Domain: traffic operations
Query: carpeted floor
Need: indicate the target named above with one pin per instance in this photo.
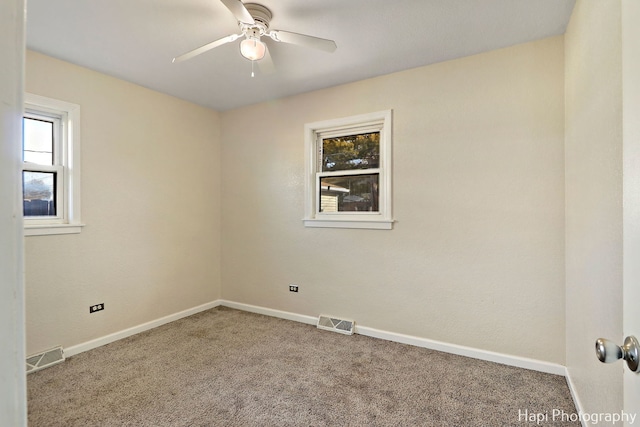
(225, 367)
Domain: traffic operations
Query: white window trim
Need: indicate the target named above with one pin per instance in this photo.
(70, 221)
(382, 220)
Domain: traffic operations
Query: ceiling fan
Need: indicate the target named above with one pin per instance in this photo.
(253, 20)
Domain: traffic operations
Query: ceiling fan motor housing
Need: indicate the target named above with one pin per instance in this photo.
(261, 15)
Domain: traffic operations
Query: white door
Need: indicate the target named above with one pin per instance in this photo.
(13, 405)
(631, 195)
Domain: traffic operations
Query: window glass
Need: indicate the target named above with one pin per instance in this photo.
(39, 189)
(351, 152)
(350, 193)
(38, 141)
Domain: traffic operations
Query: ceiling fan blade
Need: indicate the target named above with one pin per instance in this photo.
(303, 40)
(266, 63)
(239, 11)
(206, 47)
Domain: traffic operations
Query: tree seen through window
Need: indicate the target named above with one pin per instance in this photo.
(351, 152)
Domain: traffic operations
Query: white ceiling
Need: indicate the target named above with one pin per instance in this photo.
(135, 40)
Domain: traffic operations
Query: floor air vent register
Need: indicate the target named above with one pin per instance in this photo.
(44, 359)
(334, 324)
(55, 355)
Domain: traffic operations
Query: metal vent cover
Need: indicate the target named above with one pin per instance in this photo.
(45, 359)
(342, 326)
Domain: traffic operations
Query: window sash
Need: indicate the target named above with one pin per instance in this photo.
(59, 137)
(345, 172)
(347, 131)
(56, 168)
(55, 148)
(320, 176)
(58, 197)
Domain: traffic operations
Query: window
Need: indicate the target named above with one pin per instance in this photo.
(348, 169)
(51, 166)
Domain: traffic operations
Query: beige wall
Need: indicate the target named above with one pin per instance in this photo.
(150, 202)
(593, 124)
(476, 257)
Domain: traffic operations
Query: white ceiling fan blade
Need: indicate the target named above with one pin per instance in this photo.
(266, 63)
(239, 11)
(206, 47)
(303, 40)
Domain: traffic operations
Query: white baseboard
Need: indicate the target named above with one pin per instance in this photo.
(107, 339)
(270, 312)
(575, 397)
(505, 359)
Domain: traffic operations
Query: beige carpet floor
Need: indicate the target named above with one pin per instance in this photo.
(225, 367)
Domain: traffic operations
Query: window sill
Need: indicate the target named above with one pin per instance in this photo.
(52, 229)
(386, 224)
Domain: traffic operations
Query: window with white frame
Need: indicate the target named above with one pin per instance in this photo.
(348, 172)
(51, 166)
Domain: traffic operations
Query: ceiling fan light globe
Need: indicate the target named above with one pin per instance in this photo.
(252, 49)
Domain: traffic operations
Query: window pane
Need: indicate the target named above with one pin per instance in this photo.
(38, 141)
(354, 193)
(39, 189)
(351, 152)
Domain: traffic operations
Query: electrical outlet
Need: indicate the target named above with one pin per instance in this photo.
(97, 307)
(293, 288)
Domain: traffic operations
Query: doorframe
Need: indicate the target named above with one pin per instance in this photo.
(631, 189)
